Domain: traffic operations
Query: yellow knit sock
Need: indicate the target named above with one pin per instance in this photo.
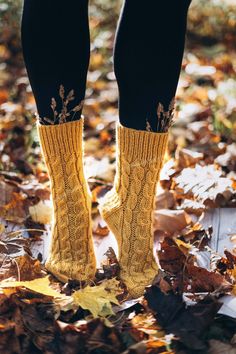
(128, 207)
(71, 252)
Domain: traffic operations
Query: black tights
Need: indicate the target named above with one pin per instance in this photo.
(148, 53)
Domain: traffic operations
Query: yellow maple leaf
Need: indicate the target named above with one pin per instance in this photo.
(39, 285)
(98, 299)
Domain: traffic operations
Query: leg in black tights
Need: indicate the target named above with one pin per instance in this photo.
(147, 58)
(56, 48)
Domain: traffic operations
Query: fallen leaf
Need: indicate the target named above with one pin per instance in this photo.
(170, 221)
(24, 267)
(187, 158)
(188, 323)
(203, 280)
(170, 257)
(16, 209)
(165, 199)
(39, 285)
(97, 299)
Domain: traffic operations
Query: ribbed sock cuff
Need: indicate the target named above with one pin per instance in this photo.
(65, 138)
(141, 145)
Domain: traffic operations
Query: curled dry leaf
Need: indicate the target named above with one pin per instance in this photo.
(187, 158)
(178, 263)
(170, 257)
(23, 267)
(146, 323)
(13, 203)
(13, 244)
(165, 199)
(13, 249)
(34, 188)
(201, 280)
(110, 267)
(170, 221)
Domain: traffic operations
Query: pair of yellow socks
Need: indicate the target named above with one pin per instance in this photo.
(127, 208)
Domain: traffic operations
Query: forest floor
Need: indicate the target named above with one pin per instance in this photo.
(191, 306)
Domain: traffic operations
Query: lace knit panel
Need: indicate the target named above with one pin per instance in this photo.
(71, 252)
(128, 207)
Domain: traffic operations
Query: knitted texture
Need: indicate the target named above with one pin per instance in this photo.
(128, 207)
(71, 252)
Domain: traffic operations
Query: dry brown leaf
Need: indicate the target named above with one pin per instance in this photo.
(23, 267)
(165, 199)
(170, 257)
(28, 267)
(34, 188)
(202, 280)
(187, 158)
(170, 221)
(7, 188)
(16, 210)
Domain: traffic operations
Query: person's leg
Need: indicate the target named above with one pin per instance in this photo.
(148, 54)
(147, 58)
(55, 38)
(56, 49)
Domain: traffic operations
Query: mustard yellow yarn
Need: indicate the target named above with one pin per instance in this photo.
(71, 252)
(128, 207)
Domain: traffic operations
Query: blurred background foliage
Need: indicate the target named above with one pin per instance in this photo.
(208, 22)
(211, 40)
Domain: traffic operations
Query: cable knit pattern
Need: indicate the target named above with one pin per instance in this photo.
(71, 251)
(128, 207)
